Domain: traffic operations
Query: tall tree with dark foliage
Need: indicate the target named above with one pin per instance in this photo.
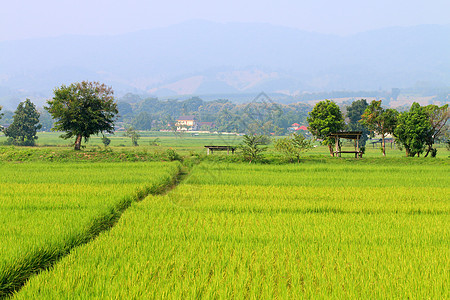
(22, 131)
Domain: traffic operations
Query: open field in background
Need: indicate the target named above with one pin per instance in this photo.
(335, 229)
(50, 205)
(187, 143)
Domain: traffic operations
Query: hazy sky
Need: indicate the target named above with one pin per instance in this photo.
(21, 19)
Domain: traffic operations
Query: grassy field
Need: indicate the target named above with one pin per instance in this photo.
(188, 144)
(373, 228)
(53, 206)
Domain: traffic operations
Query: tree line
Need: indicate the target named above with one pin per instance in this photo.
(154, 114)
(81, 110)
(415, 130)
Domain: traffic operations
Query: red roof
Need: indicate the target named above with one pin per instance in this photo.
(295, 125)
(302, 128)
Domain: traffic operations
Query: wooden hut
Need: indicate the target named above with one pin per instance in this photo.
(349, 135)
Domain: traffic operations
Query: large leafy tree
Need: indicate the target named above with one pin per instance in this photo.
(438, 117)
(379, 120)
(83, 109)
(25, 124)
(325, 118)
(413, 130)
(354, 115)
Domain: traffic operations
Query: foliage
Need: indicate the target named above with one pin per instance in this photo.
(325, 118)
(125, 110)
(106, 141)
(142, 121)
(258, 117)
(22, 131)
(413, 130)
(293, 146)
(83, 109)
(251, 146)
(172, 155)
(132, 133)
(226, 115)
(438, 117)
(45, 118)
(354, 114)
(155, 142)
(379, 120)
(62, 154)
(7, 116)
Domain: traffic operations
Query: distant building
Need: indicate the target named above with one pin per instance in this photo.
(297, 127)
(303, 127)
(186, 123)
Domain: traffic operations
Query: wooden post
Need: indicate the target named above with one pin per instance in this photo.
(336, 141)
(207, 151)
(357, 146)
(228, 150)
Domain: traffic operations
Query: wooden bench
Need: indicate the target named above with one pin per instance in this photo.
(211, 149)
(357, 153)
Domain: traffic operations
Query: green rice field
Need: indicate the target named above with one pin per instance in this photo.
(49, 207)
(360, 229)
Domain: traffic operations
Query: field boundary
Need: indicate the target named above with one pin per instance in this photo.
(15, 275)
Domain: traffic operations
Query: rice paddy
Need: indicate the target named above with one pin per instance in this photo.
(320, 229)
(54, 206)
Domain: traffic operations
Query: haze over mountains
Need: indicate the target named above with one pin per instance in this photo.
(200, 58)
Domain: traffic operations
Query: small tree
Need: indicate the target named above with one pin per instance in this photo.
(325, 118)
(83, 109)
(354, 115)
(251, 146)
(106, 141)
(293, 146)
(23, 129)
(379, 120)
(131, 133)
(438, 117)
(413, 130)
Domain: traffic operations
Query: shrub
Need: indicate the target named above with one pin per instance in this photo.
(172, 155)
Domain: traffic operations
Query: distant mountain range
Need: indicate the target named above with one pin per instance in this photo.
(204, 58)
